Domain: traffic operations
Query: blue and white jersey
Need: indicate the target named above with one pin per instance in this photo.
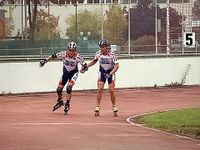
(70, 63)
(106, 61)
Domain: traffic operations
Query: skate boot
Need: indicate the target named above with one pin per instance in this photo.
(97, 110)
(115, 110)
(58, 104)
(66, 107)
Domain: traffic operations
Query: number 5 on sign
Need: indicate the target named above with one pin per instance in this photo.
(189, 39)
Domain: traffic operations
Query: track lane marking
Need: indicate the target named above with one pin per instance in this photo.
(69, 123)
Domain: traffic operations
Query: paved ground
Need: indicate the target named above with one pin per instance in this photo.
(27, 123)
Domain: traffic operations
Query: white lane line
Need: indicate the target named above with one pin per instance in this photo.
(70, 123)
(124, 135)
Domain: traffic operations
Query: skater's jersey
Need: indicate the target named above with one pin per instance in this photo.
(107, 61)
(70, 63)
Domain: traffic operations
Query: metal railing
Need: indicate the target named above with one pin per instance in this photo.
(30, 54)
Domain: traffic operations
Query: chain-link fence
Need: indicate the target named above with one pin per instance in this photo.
(134, 26)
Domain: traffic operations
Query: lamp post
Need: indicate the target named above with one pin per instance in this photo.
(25, 18)
(22, 18)
(129, 28)
(102, 19)
(167, 28)
(76, 24)
(48, 4)
(156, 27)
(183, 23)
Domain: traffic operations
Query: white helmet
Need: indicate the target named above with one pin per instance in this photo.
(72, 45)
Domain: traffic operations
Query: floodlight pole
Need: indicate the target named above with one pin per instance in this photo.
(25, 19)
(129, 29)
(183, 24)
(48, 20)
(76, 15)
(102, 19)
(156, 27)
(22, 19)
(167, 28)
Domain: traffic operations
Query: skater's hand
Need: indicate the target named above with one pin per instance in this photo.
(84, 68)
(42, 62)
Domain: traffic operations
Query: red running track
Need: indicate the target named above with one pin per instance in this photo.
(27, 123)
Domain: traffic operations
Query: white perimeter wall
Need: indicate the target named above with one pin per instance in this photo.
(28, 77)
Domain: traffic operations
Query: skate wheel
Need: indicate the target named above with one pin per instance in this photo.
(57, 106)
(54, 108)
(96, 113)
(115, 114)
(65, 112)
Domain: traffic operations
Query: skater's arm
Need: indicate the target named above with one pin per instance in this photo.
(50, 58)
(54, 56)
(116, 64)
(95, 59)
(116, 67)
(92, 63)
(44, 61)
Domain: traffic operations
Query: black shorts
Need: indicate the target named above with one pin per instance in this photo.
(67, 76)
(102, 76)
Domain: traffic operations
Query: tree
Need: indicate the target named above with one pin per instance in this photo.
(115, 26)
(9, 26)
(87, 22)
(9, 23)
(32, 11)
(32, 15)
(145, 40)
(143, 21)
(46, 26)
(175, 22)
(196, 12)
(196, 9)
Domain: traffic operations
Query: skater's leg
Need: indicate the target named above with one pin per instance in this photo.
(59, 92)
(59, 100)
(72, 79)
(69, 92)
(59, 95)
(67, 107)
(69, 96)
(112, 92)
(100, 86)
(69, 89)
(61, 85)
(113, 98)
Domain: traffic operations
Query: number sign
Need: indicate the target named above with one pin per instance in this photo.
(189, 39)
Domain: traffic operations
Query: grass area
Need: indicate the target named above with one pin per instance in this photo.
(184, 121)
